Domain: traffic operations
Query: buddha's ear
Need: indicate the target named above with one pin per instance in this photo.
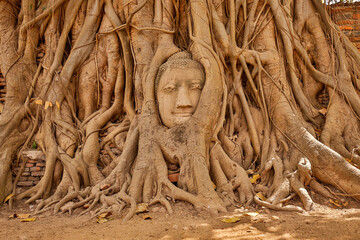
(205, 62)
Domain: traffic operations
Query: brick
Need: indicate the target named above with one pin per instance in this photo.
(346, 27)
(173, 177)
(354, 39)
(343, 16)
(32, 161)
(25, 184)
(41, 164)
(357, 45)
(346, 22)
(26, 174)
(35, 169)
(37, 174)
(356, 16)
(23, 179)
(352, 33)
(32, 178)
(29, 165)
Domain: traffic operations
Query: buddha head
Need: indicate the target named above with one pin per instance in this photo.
(178, 88)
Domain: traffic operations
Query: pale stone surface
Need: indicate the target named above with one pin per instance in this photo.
(34, 154)
(178, 94)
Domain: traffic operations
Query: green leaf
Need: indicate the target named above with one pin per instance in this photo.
(34, 146)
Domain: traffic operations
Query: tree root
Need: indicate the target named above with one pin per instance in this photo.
(276, 207)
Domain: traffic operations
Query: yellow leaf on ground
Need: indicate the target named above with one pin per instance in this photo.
(323, 111)
(345, 204)
(142, 207)
(38, 102)
(231, 219)
(147, 217)
(14, 215)
(57, 104)
(261, 196)
(8, 197)
(47, 105)
(104, 215)
(251, 214)
(102, 220)
(255, 178)
(28, 220)
(23, 216)
(335, 203)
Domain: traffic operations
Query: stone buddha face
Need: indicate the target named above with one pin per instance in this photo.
(178, 89)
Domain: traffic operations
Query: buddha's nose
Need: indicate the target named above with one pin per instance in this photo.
(183, 98)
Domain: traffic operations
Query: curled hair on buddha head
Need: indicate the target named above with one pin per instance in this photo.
(178, 60)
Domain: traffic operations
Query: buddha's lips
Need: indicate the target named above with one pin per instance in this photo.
(183, 114)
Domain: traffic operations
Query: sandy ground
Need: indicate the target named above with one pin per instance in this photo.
(323, 222)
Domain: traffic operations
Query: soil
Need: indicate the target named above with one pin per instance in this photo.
(323, 222)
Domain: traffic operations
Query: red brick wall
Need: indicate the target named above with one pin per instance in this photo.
(347, 16)
(34, 168)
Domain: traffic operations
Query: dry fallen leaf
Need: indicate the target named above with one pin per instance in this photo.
(28, 220)
(251, 214)
(86, 205)
(335, 203)
(231, 219)
(102, 220)
(8, 197)
(255, 178)
(23, 216)
(38, 102)
(14, 215)
(57, 104)
(261, 196)
(345, 204)
(147, 217)
(142, 207)
(47, 105)
(323, 111)
(104, 215)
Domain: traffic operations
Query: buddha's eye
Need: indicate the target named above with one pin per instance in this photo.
(196, 86)
(169, 88)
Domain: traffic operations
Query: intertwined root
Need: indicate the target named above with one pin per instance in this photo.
(250, 93)
(230, 177)
(120, 190)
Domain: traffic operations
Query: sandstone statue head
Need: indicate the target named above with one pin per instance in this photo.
(178, 88)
